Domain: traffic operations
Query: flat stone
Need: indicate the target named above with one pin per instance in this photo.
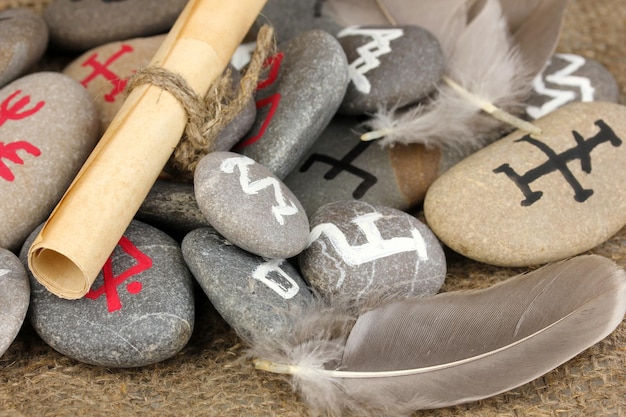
(23, 40)
(139, 311)
(362, 252)
(48, 127)
(252, 294)
(80, 25)
(526, 201)
(306, 83)
(14, 297)
(249, 206)
(570, 78)
(392, 66)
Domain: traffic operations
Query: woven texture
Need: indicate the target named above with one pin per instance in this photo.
(208, 377)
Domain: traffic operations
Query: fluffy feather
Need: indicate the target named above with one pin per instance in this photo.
(451, 348)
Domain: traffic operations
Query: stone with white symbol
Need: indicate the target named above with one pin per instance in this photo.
(80, 25)
(361, 252)
(305, 84)
(570, 78)
(528, 200)
(393, 66)
(23, 40)
(253, 294)
(14, 297)
(249, 206)
(48, 127)
(139, 311)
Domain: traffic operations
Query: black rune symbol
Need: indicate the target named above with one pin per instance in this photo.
(558, 162)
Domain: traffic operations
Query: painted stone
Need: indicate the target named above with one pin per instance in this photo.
(340, 166)
(570, 78)
(249, 206)
(23, 40)
(251, 293)
(527, 200)
(139, 311)
(393, 66)
(305, 84)
(80, 25)
(362, 252)
(48, 127)
(14, 297)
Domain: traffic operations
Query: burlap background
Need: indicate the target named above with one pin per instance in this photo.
(207, 378)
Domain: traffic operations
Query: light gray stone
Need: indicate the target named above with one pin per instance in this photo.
(14, 297)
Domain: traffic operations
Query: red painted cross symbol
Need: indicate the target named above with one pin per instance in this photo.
(111, 282)
(102, 69)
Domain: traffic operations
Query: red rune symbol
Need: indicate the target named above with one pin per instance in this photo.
(111, 282)
(13, 112)
(102, 69)
(9, 152)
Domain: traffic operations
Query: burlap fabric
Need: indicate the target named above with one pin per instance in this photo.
(208, 377)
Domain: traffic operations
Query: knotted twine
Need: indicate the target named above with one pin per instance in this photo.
(208, 115)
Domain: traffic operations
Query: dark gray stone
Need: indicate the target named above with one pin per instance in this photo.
(14, 297)
(139, 311)
(251, 293)
(362, 252)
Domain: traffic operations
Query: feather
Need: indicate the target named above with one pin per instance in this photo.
(451, 348)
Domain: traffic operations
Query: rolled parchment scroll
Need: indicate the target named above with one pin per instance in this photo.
(95, 211)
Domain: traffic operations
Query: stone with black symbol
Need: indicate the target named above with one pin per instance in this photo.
(139, 311)
(304, 85)
(48, 127)
(527, 200)
(392, 66)
(23, 40)
(363, 253)
(79, 25)
(570, 78)
(255, 295)
(340, 166)
(14, 297)
(249, 206)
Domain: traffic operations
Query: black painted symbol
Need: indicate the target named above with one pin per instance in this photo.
(345, 164)
(558, 162)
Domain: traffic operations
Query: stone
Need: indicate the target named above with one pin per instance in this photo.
(393, 66)
(139, 311)
(363, 253)
(14, 297)
(570, 78)
(527, 200)
(249, 206)
(340, 166)
(48, 127)
(295, 102)
(251, 293)
(23, 40)
(79, 25)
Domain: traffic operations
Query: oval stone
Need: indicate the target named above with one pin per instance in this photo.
(527, 200)
(139, 311)
(252, 294)
(14, 297)
(362, 252)
(48, 127)
(249, 206)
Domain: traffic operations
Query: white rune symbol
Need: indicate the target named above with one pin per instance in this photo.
(284, 286)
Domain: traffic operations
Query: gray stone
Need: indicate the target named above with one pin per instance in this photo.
(14, 297)
(305, 85)
(139, 311)
(251, 293)
(23, 40)
(393, 66)
(48, 127)
(362, 252)
(84, 24)
(249, 206)
(570, 78)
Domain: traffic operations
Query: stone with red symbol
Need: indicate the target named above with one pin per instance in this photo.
(48, 127)
(139, 311)
(14, 297)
